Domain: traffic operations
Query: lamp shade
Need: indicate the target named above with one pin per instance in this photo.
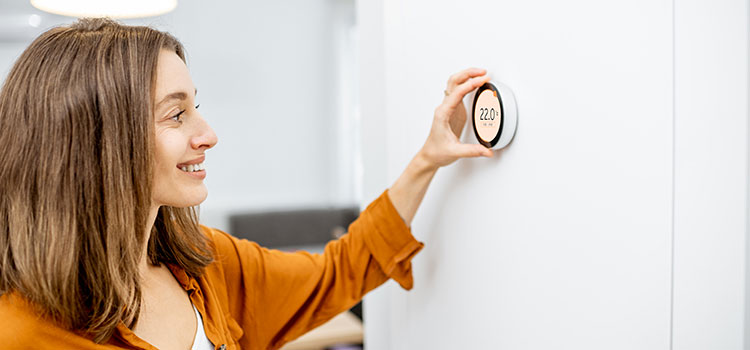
(106, 8)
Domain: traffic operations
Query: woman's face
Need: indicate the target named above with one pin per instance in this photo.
(182, 136)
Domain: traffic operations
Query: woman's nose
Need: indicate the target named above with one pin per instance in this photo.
(204, 136)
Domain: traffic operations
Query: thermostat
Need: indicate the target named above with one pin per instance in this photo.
(494, 115)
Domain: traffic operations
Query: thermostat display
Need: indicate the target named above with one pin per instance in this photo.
(494, 115)
(488, 115)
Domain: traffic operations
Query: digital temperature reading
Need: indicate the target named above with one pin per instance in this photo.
(488, 115)
(494, 115)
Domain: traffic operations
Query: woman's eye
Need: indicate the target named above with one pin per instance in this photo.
(177, 117)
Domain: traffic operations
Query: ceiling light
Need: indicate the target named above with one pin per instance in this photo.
(106, 8)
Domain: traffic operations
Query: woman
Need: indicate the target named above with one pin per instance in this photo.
(100, 247)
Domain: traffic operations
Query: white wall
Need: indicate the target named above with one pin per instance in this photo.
(565, 239)
(275, 81)
(711, 174)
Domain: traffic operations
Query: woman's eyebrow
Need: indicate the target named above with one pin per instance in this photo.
(179, 95)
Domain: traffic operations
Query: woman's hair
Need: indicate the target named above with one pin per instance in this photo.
(76, 125)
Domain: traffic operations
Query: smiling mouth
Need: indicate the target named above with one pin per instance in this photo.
(192, 168)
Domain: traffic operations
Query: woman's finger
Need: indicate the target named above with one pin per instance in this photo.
(462, 76)
(464, 150)
(457, 94)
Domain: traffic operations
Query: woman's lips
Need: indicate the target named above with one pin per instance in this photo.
(200, 174)
(198, 160)
(194, 168)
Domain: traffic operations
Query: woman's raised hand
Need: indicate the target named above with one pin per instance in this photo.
(443, 146)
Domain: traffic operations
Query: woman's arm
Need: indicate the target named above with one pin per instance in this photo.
(442, 146)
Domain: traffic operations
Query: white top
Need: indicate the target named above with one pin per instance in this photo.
(201, 341)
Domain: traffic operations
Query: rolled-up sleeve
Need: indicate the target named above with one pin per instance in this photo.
(277, 296)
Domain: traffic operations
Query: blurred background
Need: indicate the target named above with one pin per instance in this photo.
(249, 60)
(277, 82)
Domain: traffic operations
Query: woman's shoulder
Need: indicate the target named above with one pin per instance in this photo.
(19, 320)
(221, 242)
(229, 256)
(227, 245)
(22, 327)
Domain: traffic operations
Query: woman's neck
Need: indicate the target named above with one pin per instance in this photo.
(144, 265)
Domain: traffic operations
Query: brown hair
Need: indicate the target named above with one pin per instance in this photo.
(76, 125)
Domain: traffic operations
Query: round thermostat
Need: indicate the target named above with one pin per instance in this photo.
(494, 115)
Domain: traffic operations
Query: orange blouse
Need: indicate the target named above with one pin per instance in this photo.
(251, 297)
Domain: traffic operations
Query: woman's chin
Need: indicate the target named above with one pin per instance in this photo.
(185, 200)
(191, 203)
